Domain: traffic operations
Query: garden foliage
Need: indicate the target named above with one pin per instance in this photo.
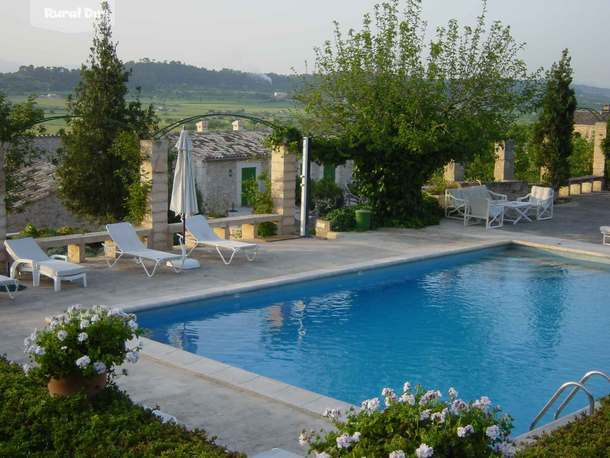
(589, 437)
(555, 126)
(32, 423)
(402, 106)
(16, 133)
(416, 423)
(100, 161)
(258, 194)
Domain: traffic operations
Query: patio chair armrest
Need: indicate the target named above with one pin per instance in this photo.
(524, 198)
(59, 257)
(452, 198)
(19, 262)
(497, 195)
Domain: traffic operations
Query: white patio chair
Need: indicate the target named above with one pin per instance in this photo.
(541, 200)
(481, 208)
(129, 244)
(455, 205)
(605, 230)
(8, 282)
(29, 257)
(204, 236)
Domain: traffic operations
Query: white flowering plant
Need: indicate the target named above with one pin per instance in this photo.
(415, 423)
(83, 341)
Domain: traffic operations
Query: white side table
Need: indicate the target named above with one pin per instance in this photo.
(515, 211)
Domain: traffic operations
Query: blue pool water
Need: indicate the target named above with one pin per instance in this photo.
(509, 323)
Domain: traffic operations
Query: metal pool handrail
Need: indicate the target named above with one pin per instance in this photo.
(582, 381)
(577, 386)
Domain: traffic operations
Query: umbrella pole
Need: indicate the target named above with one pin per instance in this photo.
(183, 230)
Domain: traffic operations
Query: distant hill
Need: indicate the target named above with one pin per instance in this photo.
(180, 80)
(154, 78)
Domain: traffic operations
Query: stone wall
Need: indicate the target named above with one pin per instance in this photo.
(220, 182)
(513, 189)
(46, 212)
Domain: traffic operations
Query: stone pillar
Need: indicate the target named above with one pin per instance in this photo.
(454, 171)
(504, 169)
(599, 158)
(154, 171)
(283, 178)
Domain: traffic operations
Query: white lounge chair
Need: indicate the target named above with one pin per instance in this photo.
(8, 282)
(129, 244)
(204, 236)
(29, 257)
(541, 200)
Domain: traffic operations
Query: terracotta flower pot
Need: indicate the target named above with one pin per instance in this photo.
(67, 386)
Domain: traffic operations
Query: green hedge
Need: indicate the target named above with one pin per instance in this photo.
(587, 437)
(34, 424)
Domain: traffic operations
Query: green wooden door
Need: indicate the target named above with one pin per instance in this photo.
(247, 174)
(329, 172)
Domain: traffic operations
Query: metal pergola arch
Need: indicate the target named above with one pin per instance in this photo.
(167, 129)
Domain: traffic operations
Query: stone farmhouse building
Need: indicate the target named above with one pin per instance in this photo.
(222, 161)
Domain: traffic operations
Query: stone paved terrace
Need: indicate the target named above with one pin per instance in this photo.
(241, 420)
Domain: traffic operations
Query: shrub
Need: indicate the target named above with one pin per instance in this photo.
(342, 219)
(437, 184)
(262, 203)
(32, 231)
(326, 196)
(87, 342)
(588, 436)
(32, 423)
(417, 424)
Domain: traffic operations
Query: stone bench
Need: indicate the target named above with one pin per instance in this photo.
(76, 242)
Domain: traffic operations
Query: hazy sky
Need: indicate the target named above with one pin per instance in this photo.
(277, 35)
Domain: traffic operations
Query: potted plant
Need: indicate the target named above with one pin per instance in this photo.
(78, 350)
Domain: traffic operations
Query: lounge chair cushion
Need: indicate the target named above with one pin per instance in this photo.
(234, 244)
(154, 254)
(55, 267)
(25, 248)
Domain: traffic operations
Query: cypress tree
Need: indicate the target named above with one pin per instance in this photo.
(554, 129)
(98, 165)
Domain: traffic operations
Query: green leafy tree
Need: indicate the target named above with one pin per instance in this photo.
(555, 126)
(99, 165)
(581, 159)
(16, 132)
(402, 107)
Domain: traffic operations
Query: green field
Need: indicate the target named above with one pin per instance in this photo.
(170, 110)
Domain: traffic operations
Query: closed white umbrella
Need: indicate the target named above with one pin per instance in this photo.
(184, 196)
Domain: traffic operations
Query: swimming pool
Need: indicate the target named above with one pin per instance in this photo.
(510, 323)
